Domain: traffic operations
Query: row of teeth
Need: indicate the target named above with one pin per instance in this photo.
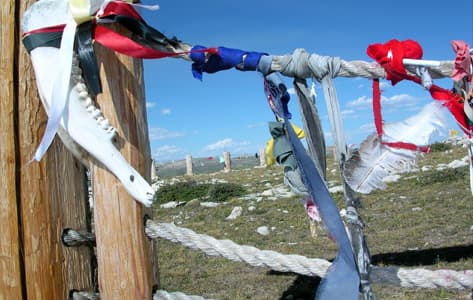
(84, 97)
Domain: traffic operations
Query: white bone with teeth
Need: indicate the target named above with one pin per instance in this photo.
(83, 129)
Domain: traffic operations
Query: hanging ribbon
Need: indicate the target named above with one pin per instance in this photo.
(342, 280)
(379, 124)
(60, 88)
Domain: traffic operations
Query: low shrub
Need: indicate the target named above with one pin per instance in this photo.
(188, 190)
(440, 147)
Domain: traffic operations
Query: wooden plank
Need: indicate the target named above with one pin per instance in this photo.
(124, 254)
(52, 197)
(10, 263)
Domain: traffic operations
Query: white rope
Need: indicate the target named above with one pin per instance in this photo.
(159, 295)
(296, 263)
(163, 295)
(436, 279)
(232, 251)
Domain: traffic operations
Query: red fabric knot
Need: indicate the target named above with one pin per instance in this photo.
(391, 54)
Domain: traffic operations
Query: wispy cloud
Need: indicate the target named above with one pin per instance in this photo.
(257, 125)
(368, 127)
(150, 104)
(165, 111)
(347, 112)
(219, 145)
(166, 151)
(156, 133)
(404, 100)
(384, 85)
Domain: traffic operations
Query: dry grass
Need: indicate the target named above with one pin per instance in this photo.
(423, 220)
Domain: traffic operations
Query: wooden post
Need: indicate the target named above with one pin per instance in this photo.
(228, 162)
(40, 198)
(10, 260)
(153, 170)
(124, 254)
(189, 171)
(262, 157)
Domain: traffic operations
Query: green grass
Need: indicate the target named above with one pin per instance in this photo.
(423, 212)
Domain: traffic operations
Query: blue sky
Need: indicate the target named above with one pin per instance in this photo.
(227, 111)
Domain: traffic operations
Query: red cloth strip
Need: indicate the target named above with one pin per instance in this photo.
(378, 122)
(56, 28)
(121, 8)
(407, 146)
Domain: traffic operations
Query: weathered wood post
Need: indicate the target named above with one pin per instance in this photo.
(153, 170)
(228, 162)
(189, 171)
(40, 199)
(262, 157)
(10, 241)
(125, 256)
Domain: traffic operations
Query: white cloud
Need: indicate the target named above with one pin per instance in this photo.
(256, 125)
(219, 145)
(393, 101)
(166, 152)
(156, 133)
(362, 102)
(347, 112)
(384, 85)
(150, 104)
(369, 127)
(165, 112)
(399, 100)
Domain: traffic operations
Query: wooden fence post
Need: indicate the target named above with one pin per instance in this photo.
(189, 171)
(153, 170)
(10, 260)
(40, 199)
(228, 162)
(125, 256)
(262, 157)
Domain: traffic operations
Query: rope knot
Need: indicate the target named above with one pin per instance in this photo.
(304, 65)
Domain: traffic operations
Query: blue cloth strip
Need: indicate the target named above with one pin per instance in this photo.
(226, 58)
(342, 279)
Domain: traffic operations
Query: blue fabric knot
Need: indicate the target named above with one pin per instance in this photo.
(226, 58)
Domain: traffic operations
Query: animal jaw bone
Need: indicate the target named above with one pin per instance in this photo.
(83, 129)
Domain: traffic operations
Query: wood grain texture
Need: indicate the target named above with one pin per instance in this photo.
(10, 264)
(52, 197)
(126, 259)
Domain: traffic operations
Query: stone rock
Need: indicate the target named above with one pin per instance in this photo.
(236, 212)
(263, 230)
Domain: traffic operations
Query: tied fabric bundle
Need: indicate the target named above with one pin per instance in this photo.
(222, 58)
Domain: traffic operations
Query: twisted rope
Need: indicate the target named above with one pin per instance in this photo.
(159, 295)
(285, 64)
(422, 278)
(232, 251)
(436, 279)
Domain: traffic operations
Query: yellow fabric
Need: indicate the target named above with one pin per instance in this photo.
(269, 145)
